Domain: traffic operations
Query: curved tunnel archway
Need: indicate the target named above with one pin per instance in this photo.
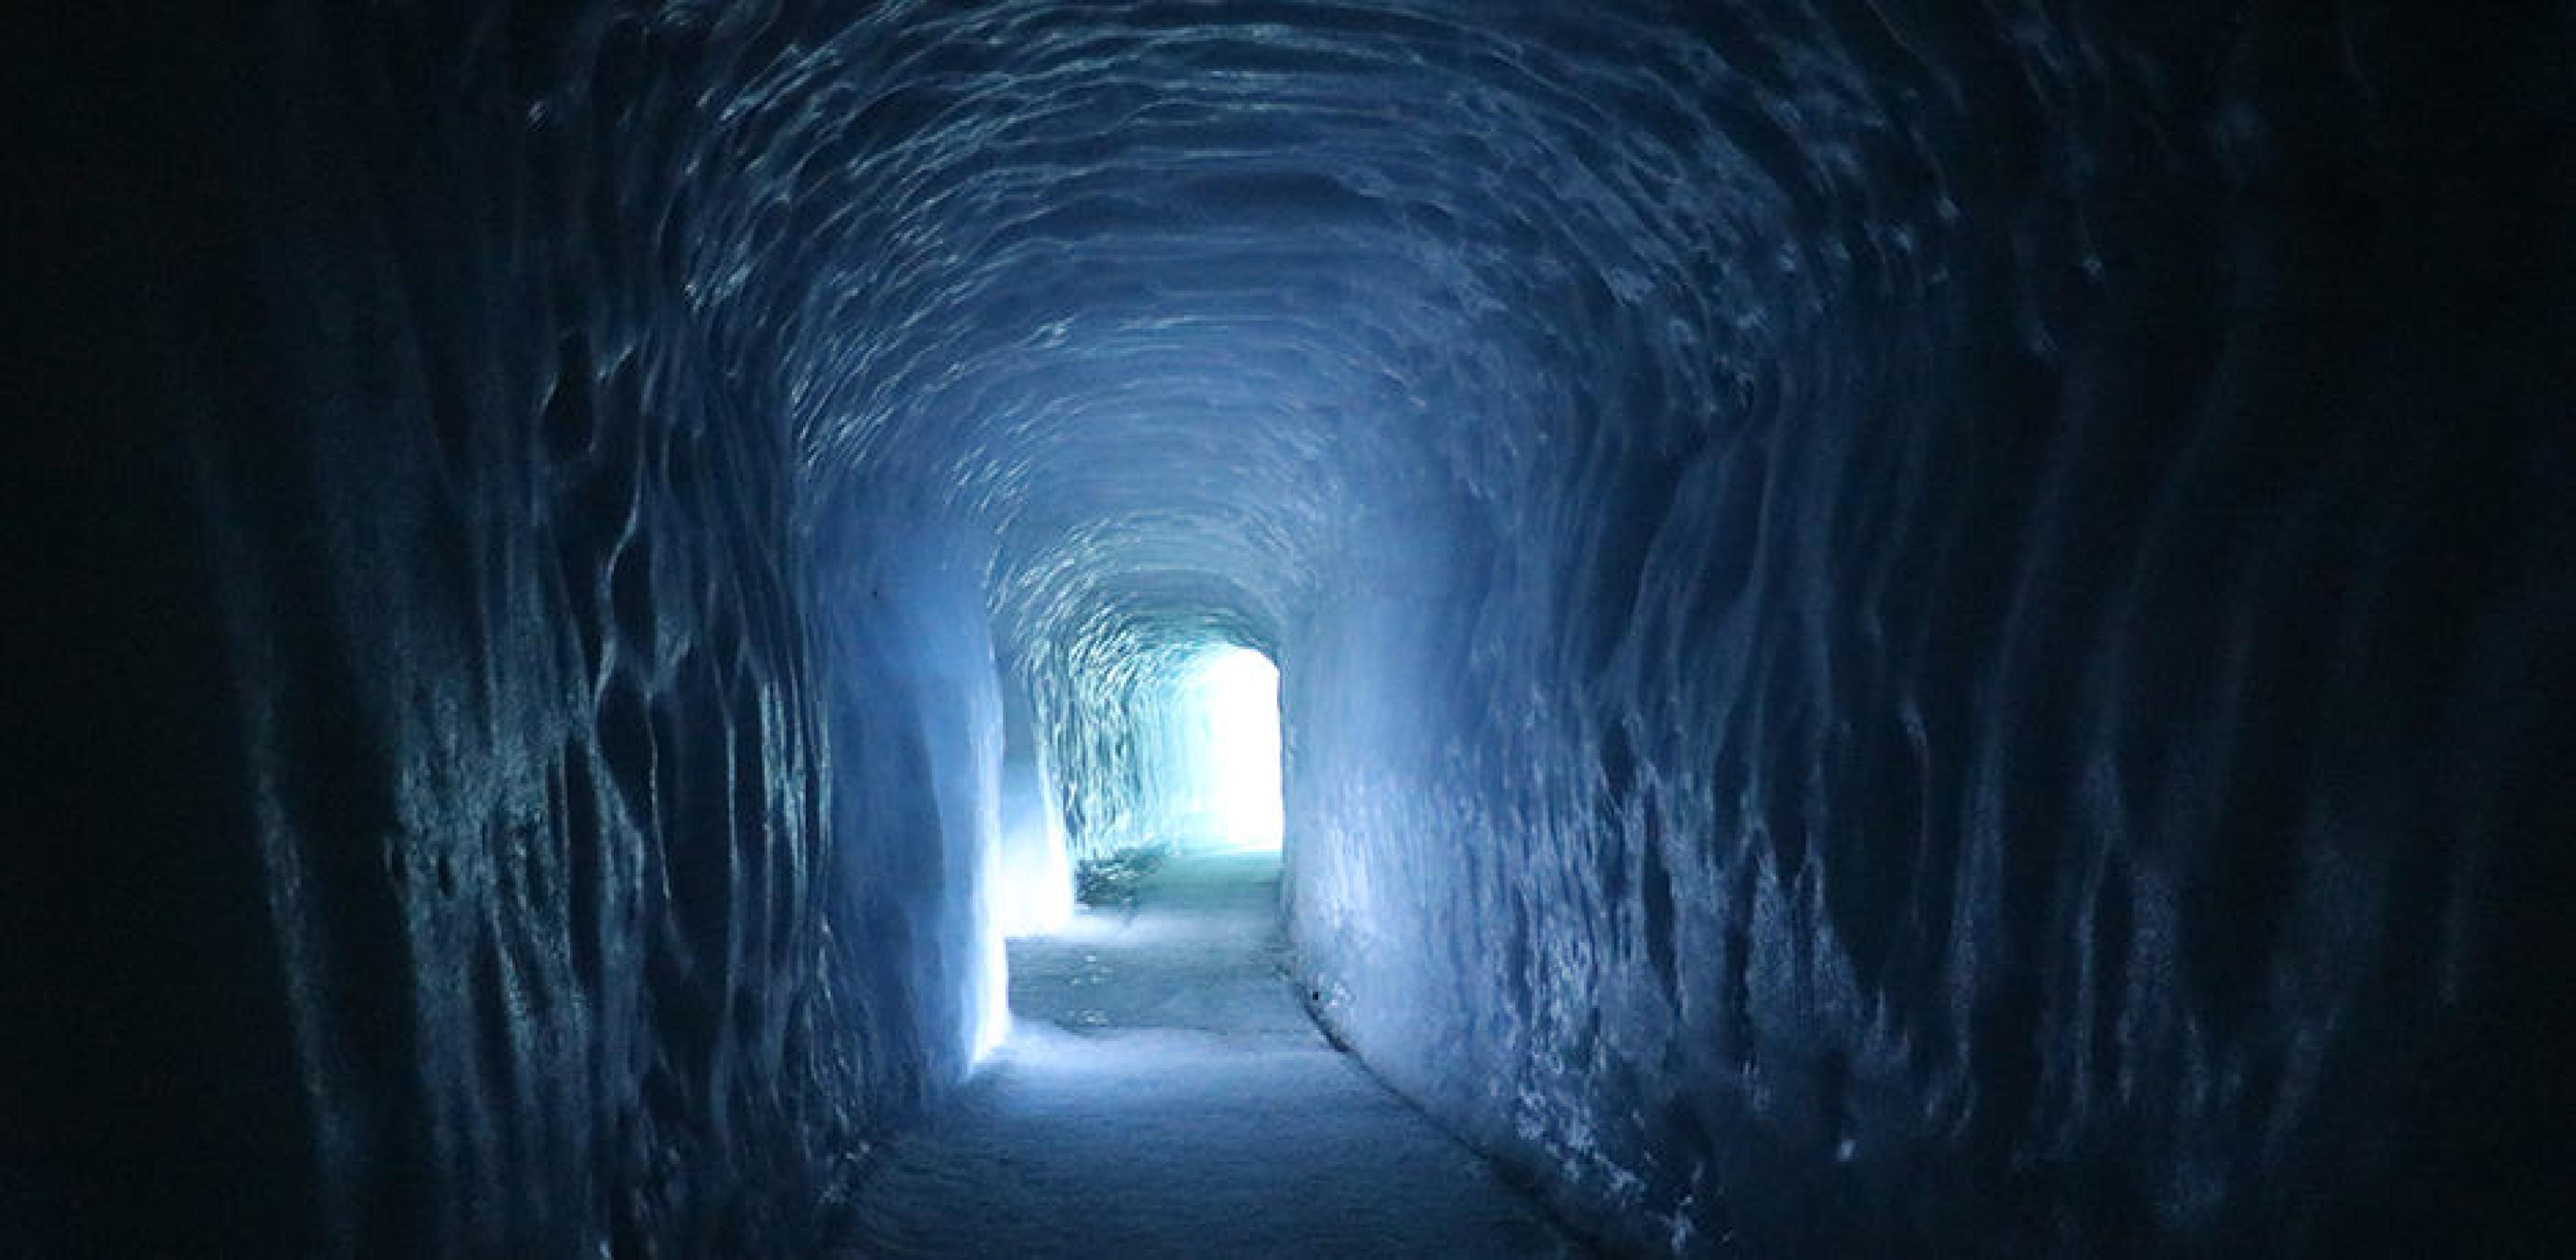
(1899, 629)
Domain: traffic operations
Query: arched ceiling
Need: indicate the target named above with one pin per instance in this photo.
(1187, 302)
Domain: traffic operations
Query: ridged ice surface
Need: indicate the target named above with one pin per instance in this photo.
(1906, 628)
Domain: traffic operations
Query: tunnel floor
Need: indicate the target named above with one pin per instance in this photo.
(1163, 1094)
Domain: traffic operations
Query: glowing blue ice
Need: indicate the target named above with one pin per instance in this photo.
(1230, 703)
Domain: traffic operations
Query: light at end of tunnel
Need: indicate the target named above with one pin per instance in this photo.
(1237, 690)
(992, 996)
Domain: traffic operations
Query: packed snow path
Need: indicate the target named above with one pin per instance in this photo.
(1163, 1095)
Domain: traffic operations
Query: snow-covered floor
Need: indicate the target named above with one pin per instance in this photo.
(1163, 1095)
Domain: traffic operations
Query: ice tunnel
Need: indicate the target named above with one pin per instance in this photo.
(1896, 629)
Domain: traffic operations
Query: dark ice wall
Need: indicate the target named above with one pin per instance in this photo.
(435, 856)
(1905, 629)
(2025, 711)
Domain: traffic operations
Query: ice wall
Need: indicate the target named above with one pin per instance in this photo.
(917, 763)
(451, 823)
(2002, 709)
(1922, 629)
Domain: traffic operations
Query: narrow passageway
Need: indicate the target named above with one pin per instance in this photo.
(1163, 1094)
(1873, 628)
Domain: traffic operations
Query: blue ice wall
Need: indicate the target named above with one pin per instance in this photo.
(1981, 723)
(449, 842)
(917, 793)
(1906, 631)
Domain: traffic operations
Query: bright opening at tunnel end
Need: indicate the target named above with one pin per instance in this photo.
(1232, 694)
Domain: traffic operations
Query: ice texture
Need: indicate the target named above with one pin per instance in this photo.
(1905, 628)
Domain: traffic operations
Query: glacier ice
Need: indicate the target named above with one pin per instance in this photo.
(1900, 628)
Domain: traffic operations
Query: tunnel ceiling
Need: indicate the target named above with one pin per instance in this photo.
(1185, 300)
